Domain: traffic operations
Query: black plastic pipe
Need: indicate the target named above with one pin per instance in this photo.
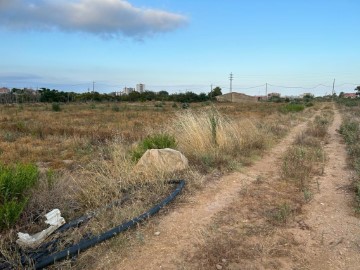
(85, 244)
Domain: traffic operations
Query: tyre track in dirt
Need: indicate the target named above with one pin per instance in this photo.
(181, 229)
(333, 238)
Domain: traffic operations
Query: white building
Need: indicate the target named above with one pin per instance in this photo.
(128, 90)
(140, 87)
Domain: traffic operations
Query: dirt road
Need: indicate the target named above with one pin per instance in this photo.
(333, 238)
(325, 235)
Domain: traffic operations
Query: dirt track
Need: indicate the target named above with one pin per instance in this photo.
(328, 238)
(333, 238)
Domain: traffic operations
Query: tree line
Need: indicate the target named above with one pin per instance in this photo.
(53, 95)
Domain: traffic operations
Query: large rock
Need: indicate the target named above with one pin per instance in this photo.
(161, 160)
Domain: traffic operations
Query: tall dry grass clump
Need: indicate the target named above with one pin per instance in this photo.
(212, 138)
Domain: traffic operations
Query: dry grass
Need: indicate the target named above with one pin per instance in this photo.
(199, 133)
(83, 155)
(214, 140)
(35, 133)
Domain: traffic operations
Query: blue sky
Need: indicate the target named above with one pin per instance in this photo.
(181, 45)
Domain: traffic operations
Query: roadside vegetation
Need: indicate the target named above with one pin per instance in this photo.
(83, 158)
(350, 130)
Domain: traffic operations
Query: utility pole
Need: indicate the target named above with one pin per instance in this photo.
(333, 89)
(266, 96)
(93, 86)
(231, 79)
(211, 92)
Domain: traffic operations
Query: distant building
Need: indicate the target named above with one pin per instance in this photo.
(128, 90)
(140, 87)
(350, 95)
(4, 90)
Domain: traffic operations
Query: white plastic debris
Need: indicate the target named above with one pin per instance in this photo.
(53, 218)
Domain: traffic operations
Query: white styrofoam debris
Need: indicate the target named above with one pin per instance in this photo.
(53, 218)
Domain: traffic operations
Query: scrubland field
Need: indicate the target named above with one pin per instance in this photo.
(81, 157)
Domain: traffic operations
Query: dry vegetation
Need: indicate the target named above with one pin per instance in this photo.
(83, 153)
(248, 234)
(350, 130)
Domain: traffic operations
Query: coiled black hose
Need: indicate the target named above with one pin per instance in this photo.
(87, 243)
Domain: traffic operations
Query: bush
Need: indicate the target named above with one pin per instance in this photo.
(291, 107)
(157, 141)
(115, 108)
(14, 184)
(56, 107)
(185, 105)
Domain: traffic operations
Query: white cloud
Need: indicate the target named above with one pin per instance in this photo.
(107, 18)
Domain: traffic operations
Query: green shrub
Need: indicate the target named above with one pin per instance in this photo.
(10, 212)
(292, 107)
(15, 182)
(56, 107)
(115, 108)
(185, 105)
(157, 141)
(350, 131)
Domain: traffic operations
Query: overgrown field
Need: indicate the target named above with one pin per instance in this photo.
(82, 157)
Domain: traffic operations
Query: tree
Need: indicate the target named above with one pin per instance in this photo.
(357, 89)
(216, 92)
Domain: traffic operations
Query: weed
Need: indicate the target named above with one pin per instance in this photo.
(291, 107)
(307, 195)
(14, 184)
(10, 136)
(115, 108)
(350, 130)
(185, 105)
(306, 155)
(156, 141)
(281, 213)
(208, 137)
(56, 107)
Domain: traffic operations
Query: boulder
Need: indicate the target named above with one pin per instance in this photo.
(161, 160)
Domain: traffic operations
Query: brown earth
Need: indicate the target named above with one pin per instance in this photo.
(323, 234)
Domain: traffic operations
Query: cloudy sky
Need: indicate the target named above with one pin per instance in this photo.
(181, 45)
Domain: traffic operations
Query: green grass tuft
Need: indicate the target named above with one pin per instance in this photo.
(14, 184)
(156, 141)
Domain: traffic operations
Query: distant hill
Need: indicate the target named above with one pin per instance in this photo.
(236, 97)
